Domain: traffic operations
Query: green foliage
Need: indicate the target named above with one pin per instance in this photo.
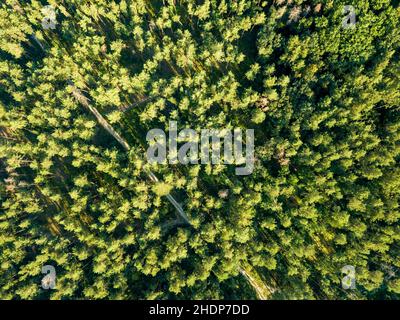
(324, 104)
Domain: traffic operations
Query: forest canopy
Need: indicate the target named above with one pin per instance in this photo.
(82, 82)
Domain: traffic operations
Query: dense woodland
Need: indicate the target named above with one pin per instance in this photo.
(323, 101)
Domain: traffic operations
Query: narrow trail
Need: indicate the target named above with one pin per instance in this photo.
(104, 123)
(263, 291)
(260, 288)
